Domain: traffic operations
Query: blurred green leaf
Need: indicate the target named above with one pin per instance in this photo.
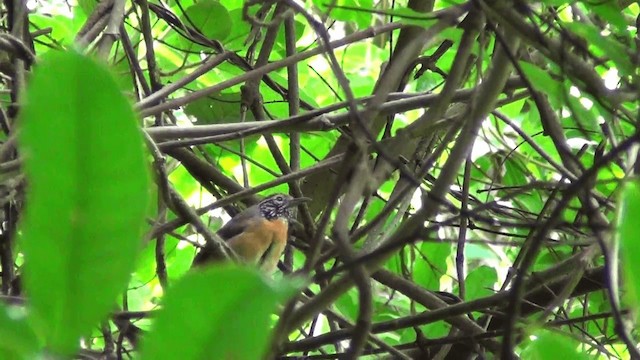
(17, 338)
(435, 330)
(515, 172)
(628, 235)
(556, 2)
(63, 29)
(210, 18)
(431, 264)
(543, 82)
(531, 201)
(608, 178)
(348, 10)
(480, 282)
(608, 46)
(218, 108)
(475, 251)
(280, 39)
(87, 6)
(240, 30)
(582, 118)
(221, 312)
(347, 303)
(87, 195)
(611, 12)
(553, 345)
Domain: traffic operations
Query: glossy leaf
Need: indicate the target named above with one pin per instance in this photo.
(87, 195)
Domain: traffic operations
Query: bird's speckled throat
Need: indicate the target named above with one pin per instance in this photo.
(276, 206)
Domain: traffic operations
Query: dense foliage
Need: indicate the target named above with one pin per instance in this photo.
(472, 168)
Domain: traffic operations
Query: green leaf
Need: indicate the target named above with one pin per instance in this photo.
(347, 304)
(436, 330)
(17, 338)
(480, 282)
(611, 12)
(543, 82)
(209, 17)
(553, 345)
(358, 11)
(238, 33)
(628, 234)
(63, 29)
(409, 16)
(87, 195)
(555, 2)
(581, 118)
(217, 108)
(431, 264)
(221, 312)
(515, 172)
(299, 27)
(606, 44)
(608, 178)
(87, 6)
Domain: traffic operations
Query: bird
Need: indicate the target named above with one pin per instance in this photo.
(258, 235)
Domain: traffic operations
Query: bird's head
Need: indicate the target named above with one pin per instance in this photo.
(280, 206)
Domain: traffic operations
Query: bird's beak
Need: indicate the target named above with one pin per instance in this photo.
(298, 201)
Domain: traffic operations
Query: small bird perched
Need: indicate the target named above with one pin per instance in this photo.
(258, 235)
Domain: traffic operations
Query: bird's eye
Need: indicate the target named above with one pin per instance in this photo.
(280, 198)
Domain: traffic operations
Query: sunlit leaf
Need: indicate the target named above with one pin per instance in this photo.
(606, 44)
(543, 82)
(610, 11)
(431, 264)
(550, 345)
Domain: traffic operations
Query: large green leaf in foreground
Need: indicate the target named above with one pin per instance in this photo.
(548, 345)
(86, 197)
(629, 238)
(17, 339)
(218, 313)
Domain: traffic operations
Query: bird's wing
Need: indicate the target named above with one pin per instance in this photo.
(236, 225)
(232, 228)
